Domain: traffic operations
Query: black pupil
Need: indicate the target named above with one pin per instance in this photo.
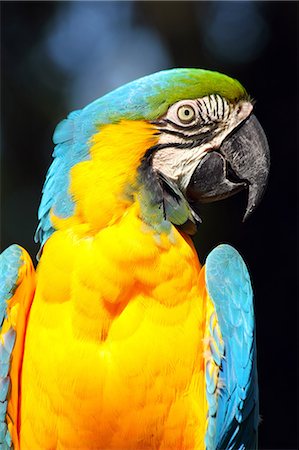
(187, 112)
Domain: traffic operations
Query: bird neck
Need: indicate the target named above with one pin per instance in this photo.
(107, 184)
(118, 174)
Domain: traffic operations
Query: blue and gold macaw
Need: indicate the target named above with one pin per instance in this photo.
(120, 339)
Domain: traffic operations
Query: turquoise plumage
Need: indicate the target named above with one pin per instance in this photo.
(234, 420)
(10, 263)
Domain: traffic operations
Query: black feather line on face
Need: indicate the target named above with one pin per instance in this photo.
(217, 107)
(149, 177)
(191, 141)
(160, 122)
(200, 137)
(161, 193)
(195, 126)
(200, 112)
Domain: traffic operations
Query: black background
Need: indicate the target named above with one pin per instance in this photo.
(35, 97)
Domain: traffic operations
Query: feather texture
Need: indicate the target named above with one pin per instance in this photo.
(236, 419)
(115, 341)
(118, 327)
(144, 99)
(16, 293)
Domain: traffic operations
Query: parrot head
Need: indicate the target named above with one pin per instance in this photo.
(229, 150)
(213, 146)
(171, 140)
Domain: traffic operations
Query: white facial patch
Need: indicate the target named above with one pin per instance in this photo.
(190, 129)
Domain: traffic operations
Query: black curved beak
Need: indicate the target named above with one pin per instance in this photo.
(241, 162)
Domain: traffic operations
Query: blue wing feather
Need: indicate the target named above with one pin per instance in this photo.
(229, 287)
(10, 263)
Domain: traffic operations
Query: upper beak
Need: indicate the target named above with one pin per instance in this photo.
(242, 161)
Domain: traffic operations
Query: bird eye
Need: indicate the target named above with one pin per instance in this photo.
(186, 113)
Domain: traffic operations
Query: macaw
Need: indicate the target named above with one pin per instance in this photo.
(120, 339)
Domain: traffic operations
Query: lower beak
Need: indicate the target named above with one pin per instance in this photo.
(242, 161)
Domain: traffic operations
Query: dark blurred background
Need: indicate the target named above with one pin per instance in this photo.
(59, 56)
